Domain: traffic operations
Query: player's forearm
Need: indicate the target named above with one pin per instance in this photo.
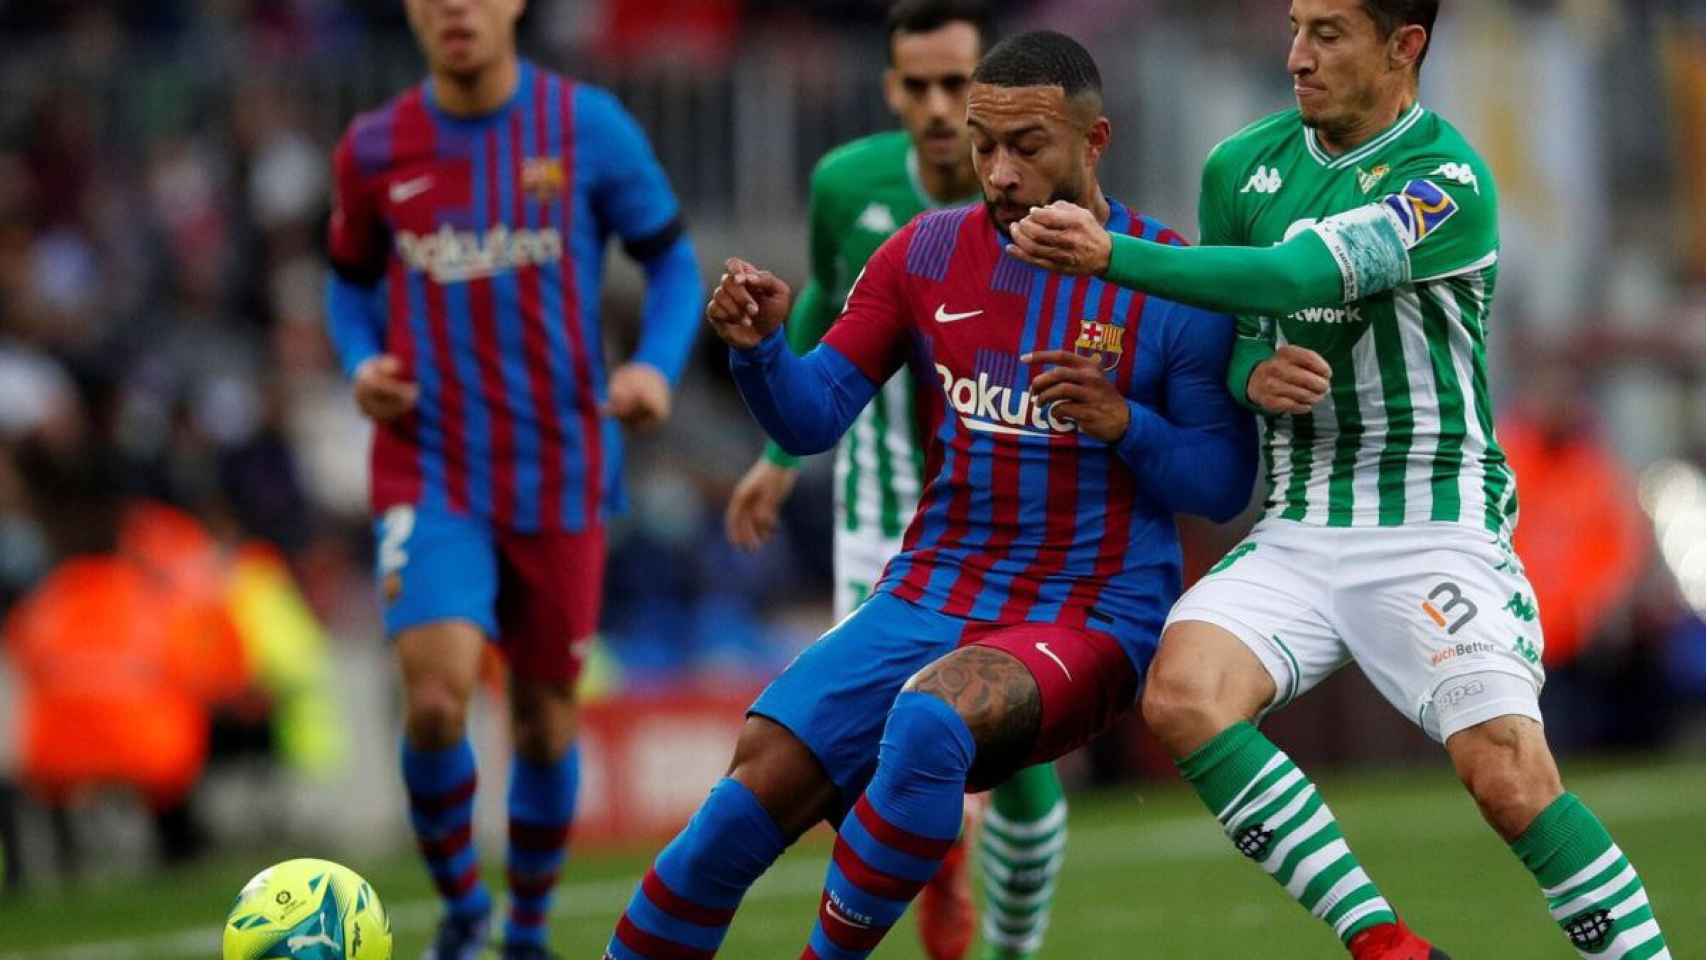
(1270, 281)
(804, 403)
(1247, 354)
(670, 318)
(354, 322)
(1203, 471)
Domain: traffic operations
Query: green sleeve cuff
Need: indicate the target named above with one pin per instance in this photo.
(1247, 354)
(780, 457)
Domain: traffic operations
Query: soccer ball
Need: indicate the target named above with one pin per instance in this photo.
(307, 910)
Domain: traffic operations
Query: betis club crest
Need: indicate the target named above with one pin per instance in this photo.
(1100, 342)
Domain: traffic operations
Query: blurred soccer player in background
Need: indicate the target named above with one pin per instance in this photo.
(1068, 424)
(861, 193)
(468, 235)
(1357, 237)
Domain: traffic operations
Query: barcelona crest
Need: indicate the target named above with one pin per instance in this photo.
(1101, 342)
(542, 178)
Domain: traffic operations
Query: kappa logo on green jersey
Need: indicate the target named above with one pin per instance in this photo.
(1461, 173)
(1264, 180)
(878, 218)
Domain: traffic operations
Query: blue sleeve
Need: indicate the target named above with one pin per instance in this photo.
(1198, 455)
(804, 403)
(354, 320)
(630, 194)
(670, 319)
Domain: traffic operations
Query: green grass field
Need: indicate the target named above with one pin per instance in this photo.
(1147, 876)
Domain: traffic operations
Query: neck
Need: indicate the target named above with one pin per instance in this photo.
(947, 184)
(477, 94)
(1341, 140)
(1098, 204)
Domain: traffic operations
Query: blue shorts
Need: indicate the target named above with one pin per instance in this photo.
(535, 594)
(835, 696)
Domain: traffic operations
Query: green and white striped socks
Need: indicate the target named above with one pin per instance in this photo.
(1591, 888)
(1274, 815)
(1020, 852)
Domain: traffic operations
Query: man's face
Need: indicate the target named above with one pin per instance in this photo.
(1338, 62)
(1031, 147)
(463, 37)
(926, 89)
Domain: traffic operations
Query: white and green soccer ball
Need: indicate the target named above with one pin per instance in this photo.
(307, 910)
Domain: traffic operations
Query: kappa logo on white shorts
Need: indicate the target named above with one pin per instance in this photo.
(1043, 649)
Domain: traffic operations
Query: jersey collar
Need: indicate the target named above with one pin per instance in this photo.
(520, 97)
(1399, 127)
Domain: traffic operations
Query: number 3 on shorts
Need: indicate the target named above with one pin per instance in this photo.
(395, 529)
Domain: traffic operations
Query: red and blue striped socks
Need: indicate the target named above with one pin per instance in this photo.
(441, 808)
(683, 907)
(541, 808)
(893, 841)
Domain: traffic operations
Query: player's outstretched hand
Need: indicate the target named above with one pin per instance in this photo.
(747, 305)
(639, 395)
(1063, 237)
(1292, 381)
(380, 390)
(757, 504)
(1080, 391)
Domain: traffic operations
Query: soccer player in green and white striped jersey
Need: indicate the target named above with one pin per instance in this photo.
(1357, 237)
(861, 193)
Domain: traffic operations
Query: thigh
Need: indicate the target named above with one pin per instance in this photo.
(1085, 679)
(1271, 592)
(435, 566)
(859, 561)
(835, 696)
(550, 585)
(1444, 623)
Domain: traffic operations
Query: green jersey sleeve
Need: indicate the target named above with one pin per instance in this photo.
(1217, 223)
(815, 308)
(1449, 211)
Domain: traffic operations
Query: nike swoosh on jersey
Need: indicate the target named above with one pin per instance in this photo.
(406, 190)
(943, 316)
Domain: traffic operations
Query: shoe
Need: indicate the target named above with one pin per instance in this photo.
(947, 916)
(1393, 941)
(459, 938)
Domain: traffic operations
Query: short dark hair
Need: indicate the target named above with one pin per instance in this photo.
(923, 16)
(1041, 58)
(1389, 15)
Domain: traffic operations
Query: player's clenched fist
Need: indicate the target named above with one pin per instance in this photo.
(638, 395)
(1080, 391)
(380, 390)
(1063, 237)
(1292, 381)
(747, 305)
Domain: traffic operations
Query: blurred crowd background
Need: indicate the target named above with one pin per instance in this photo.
(184, 545)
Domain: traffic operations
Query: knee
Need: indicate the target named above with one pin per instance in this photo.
(783, 775)
(436, 714)
(1200, 684)
(930, 734)
(544, 723)
(1508, 769)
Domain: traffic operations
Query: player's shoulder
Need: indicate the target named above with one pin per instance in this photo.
(1145, 227)
(370, 138)
(925, 246)
(1257, 138)
(1437, 150)
(854, 164)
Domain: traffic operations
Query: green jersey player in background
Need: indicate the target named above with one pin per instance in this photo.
(1357, 236)
(861, 193)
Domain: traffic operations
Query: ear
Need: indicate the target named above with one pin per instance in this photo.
(892, 93)
(1406, 46)
(1096, 140)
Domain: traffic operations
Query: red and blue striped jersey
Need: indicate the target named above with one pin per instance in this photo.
(1023, 517)
(485, 238)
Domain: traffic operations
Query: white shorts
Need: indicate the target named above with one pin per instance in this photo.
(859, 562)
(1439, 616)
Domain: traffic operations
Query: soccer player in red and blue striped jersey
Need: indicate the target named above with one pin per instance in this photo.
(1069, 422)
(467, 240)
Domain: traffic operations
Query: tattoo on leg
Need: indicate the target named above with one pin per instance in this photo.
(998, 699)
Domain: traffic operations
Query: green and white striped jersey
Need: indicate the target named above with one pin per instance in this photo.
(1405, 434)
(861, 192)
